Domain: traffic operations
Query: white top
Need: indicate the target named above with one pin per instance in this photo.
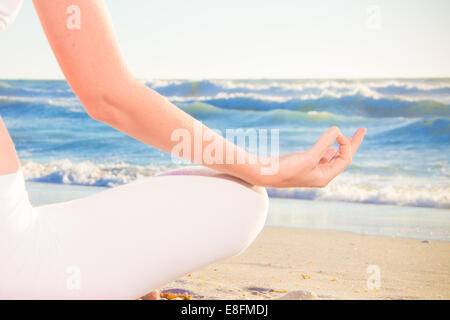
(8, 12)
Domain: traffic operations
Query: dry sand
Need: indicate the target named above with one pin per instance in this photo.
(325, 265)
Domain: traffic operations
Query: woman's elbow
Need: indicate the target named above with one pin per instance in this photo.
(97, 107)
(110, 103)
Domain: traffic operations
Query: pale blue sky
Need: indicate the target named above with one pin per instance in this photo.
(256, 39)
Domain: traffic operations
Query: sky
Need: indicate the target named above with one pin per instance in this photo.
(251, 39)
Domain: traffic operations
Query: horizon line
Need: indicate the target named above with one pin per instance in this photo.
(249, 79)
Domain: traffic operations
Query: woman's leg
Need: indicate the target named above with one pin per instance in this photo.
(9, 163)
(126, 241)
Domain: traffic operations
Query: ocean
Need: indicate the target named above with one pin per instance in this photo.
(403, 161)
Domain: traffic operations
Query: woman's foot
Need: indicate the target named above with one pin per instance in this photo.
(154, 295)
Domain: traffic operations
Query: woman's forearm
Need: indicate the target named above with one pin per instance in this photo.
(149, 117)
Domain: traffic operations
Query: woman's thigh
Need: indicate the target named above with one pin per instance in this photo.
(9, 162)
(128, 240)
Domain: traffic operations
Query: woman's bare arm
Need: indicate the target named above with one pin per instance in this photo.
(9, 163)
(92, 63)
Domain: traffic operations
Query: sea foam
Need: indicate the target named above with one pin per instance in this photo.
(349, 187)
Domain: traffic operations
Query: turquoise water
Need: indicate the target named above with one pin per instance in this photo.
(404, 160)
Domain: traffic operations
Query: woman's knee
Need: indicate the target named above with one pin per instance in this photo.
(236, 210)
(251, 224)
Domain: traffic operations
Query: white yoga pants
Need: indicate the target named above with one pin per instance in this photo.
(126, 241)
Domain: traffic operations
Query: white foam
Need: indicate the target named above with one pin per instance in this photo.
(87, 173)
(371, 188)
(351, 187)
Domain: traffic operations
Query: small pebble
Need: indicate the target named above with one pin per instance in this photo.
(299, 295)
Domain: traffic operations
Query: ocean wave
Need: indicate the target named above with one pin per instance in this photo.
(365, 188)
(405, 196)
(4, 85)
(36, 88)
(310, 97)
(195, 86)
(87, 173)
(411, 90)
(57, 101)
(201, 109)
(41, 105)
(348, 105)
(429, 129)
(270, 118)
(388, 98)
(352, 105)
(416, 89)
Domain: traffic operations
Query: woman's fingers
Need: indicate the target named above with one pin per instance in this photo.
(345, 150)
(324, 143)
(342, 158)
(339, 162)
(328, 155)
(357, 139)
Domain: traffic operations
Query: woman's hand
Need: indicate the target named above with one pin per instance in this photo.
(317, 166)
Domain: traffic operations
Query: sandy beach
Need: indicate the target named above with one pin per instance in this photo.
(324, 264)
(300, 252)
